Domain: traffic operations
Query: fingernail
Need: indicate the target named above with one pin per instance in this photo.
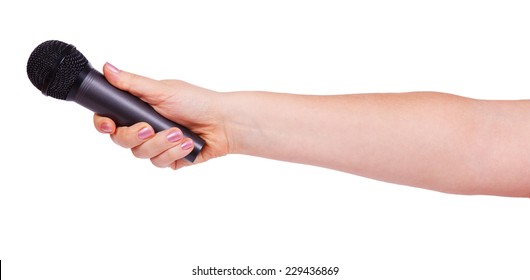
(113, 68)
(105, 127)
(174, 136)
(145, 133)
(187, 145)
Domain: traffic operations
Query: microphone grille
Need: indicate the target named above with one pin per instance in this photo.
(54, 66)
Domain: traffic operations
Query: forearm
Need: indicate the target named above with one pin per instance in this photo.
(430, 140)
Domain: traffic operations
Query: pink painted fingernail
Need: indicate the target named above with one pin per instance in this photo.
(187, 145)
(145, 133)
(174, 136)
(113, 68)
(105, 127)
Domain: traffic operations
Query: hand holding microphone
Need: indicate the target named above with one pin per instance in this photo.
(130, 101)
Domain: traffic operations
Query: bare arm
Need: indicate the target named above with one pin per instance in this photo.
(430, 140)
(425, 139)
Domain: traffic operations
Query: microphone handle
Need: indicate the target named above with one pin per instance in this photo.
(93, 92)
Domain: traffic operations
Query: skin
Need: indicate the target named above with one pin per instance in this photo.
(431, 140)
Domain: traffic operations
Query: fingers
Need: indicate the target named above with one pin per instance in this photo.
(173, 154)
(149, 90)
(132, 136)
(164, 148)
(126, 137)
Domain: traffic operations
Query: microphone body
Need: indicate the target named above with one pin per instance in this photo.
(92, 91)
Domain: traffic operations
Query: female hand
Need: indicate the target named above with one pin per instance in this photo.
(196, 108)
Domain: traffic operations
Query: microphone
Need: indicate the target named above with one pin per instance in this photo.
(59, 70)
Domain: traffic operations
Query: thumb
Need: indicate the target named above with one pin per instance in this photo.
(147, 89)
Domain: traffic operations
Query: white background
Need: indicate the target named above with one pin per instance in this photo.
(75, 206)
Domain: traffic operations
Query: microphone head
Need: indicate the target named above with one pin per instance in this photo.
(54, 66)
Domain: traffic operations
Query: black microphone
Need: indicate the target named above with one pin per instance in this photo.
(59, 70)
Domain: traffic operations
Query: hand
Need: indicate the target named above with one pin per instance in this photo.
(196, 108)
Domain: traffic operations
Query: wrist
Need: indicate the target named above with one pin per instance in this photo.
(236, 119)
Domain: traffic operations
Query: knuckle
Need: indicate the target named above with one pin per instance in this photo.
(158, 163)
(120, 141)
(175, 83)
(124, 82)
(138, 153)
(115, 139)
